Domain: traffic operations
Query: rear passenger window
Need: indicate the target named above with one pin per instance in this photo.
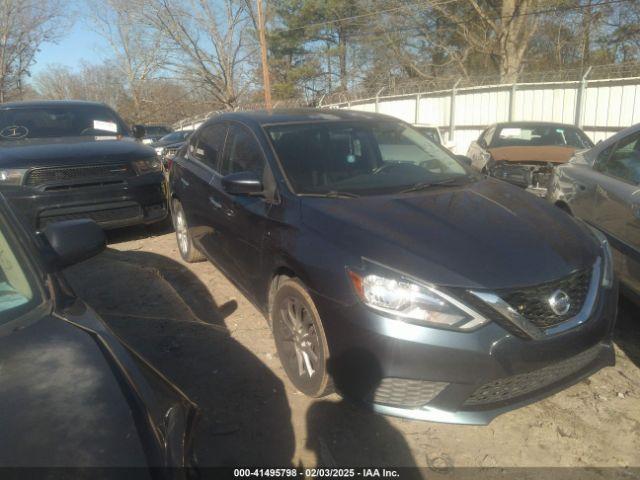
(244, 153)
(208, 145)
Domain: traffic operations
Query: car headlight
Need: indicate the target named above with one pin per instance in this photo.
(607, 257)
(159, 151)
(147, 165)
(12, 176)
(410, 300)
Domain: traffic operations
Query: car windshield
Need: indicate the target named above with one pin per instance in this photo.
(176, 136)
(361, 158)
(58, 121)
(17, 293)
(540, 135)
(154, 131)
(430, 132)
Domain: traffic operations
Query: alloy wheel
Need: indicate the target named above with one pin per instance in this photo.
(300, 340)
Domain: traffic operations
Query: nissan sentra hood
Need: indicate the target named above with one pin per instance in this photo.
(549, 153)
(70, 151)
(488, 234)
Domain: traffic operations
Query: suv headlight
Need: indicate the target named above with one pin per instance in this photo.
(147, 165)
(607, 257)
(410, 300)
(12, 176)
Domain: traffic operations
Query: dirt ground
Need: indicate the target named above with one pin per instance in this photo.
(198, 329)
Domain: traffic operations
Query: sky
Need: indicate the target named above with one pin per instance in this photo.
(79, 44)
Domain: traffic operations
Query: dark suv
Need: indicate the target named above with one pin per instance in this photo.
(390, 270)
(66, 160)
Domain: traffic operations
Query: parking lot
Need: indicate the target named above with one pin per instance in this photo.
(192, 324)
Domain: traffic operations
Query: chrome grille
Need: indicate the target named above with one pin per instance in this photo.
(41, 176)
(533, 302)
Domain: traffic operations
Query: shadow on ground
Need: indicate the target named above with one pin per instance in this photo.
(163, 310)
(139, 232)
(627, 332)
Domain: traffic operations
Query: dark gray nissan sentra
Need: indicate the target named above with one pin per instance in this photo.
(388, 269)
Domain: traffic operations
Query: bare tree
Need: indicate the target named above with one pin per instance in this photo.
(24, 26)
(211, 43)
(501, 29)
(138, 51)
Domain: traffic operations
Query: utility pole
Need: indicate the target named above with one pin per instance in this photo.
(266, 83)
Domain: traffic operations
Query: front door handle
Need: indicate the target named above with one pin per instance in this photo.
(215, 203)
(185, 182)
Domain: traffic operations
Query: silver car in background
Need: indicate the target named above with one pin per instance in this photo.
(602, 186)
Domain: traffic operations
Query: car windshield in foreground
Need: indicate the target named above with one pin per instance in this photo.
(18, 295)
(342, 159)
(539, 136)
(58, 121)
(176, 136)
(430, 132)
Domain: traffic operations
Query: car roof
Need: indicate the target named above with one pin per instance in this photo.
(51, 103)
(300, 115)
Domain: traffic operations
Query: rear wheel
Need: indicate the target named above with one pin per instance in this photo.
(300, 339)
(188, 251)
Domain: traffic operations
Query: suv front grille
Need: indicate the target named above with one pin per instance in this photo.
(533, 302)
(515, 386)
(406, 393)
(74, 174)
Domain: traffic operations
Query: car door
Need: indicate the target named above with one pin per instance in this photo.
(202, 159)
(246, 217)
(617, 205)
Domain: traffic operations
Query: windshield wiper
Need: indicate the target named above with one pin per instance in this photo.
(450, 182)
(334, 194)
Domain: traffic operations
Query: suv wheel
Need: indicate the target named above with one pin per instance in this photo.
(188, 251)
(300, 339)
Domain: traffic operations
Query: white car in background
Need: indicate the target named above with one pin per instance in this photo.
(432, 132)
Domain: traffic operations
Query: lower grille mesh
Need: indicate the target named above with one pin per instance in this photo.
(517, 385)
(406, 393)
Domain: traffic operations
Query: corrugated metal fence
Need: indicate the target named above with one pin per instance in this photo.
(600, 107)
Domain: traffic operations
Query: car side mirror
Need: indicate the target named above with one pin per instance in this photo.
(242, 183)
(73, 241)
(138, 131)
(482, 143)
(464, 159)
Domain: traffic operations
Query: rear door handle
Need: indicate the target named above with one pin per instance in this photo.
(215, 203)
(184, 182)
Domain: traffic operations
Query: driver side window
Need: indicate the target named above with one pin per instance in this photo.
(243, 153)
(623, 160)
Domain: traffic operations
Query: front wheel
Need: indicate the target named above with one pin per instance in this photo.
(188, 251)
(300, 339)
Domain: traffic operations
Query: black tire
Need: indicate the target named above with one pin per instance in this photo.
(188, 251)
(300, 338)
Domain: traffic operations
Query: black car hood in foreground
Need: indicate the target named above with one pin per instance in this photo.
(69, 151)
(74, 396)
(488, 234)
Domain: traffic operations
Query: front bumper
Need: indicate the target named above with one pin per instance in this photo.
(534, 178)
(439, 375)
(137, 200)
